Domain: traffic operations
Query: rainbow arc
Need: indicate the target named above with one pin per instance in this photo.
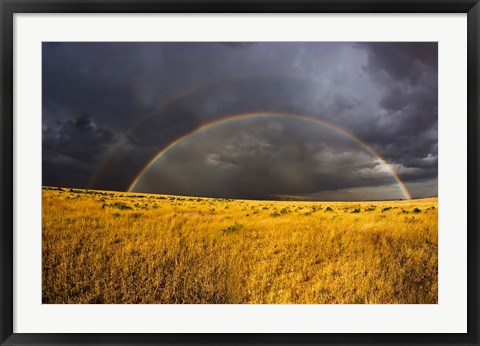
(258, 115)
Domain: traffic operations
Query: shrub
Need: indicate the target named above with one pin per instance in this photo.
(120, 205)
(233, 228)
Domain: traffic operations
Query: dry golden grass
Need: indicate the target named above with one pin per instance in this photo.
(108, 247)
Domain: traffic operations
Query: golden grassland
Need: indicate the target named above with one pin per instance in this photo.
(111, 247)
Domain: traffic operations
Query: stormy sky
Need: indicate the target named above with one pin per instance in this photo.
(312, 120)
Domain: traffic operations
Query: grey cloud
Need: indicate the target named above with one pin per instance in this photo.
(80, 139)
(401, 61)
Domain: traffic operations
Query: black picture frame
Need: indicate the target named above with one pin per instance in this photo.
(9, 7)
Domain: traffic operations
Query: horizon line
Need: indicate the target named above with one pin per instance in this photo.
(227, 198)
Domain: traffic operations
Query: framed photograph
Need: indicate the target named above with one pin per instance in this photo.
(239, 173)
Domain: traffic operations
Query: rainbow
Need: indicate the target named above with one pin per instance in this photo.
(171, 102)
(255, 115)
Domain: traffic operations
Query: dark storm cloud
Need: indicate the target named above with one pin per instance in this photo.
(108, 108)
(402, 61)
(71, 149)
(405, 127)
(80, 139)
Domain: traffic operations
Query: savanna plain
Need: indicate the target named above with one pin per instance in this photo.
(118, 247)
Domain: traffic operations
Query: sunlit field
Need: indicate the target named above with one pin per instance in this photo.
(112, 247)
